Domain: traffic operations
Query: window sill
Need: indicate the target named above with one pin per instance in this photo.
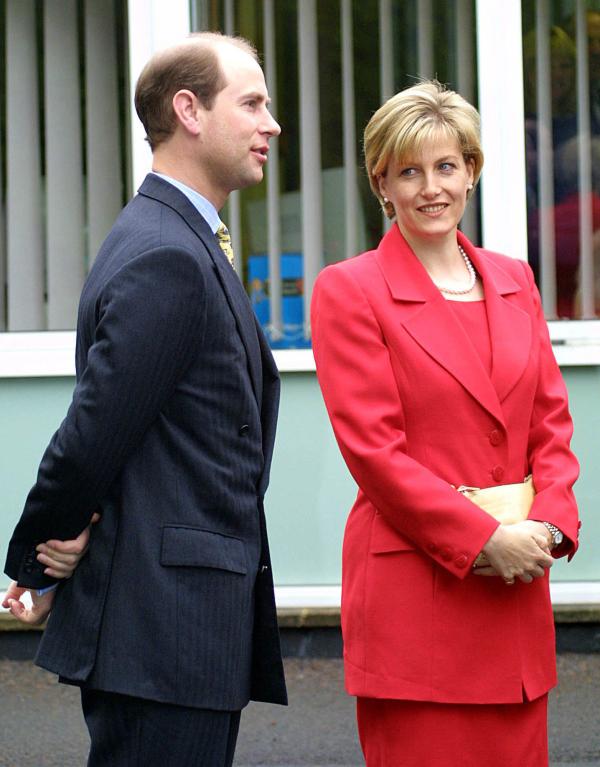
(52, 354)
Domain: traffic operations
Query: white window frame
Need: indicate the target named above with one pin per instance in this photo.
(503, 203)
(154, 24)
(576, 594)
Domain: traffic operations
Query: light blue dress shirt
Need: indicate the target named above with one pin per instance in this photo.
(205, 208)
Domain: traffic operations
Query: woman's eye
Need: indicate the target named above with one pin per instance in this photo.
(447, 166)
(408, 172)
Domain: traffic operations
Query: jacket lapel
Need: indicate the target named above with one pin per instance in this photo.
(236, 296)
(430, 321)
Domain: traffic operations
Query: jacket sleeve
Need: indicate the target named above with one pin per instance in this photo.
(149, 322)
(357, 380)
(553, 465)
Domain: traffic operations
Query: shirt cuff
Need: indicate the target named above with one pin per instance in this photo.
(41, 592)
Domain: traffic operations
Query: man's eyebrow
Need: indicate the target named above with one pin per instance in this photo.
(257, 95)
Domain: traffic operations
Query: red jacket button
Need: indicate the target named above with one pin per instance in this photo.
(498, 473)
(446, 553)
(461, 561)
(495, 437)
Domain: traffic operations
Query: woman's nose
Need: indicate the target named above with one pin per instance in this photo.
(431, 187)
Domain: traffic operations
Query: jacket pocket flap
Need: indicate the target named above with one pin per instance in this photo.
(193, 547)
(385, 538)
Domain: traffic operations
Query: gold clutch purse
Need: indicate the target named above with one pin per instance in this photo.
(506, 503)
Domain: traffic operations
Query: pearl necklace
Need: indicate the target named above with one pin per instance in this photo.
(472, 278)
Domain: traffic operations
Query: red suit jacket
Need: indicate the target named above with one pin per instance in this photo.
(415, 412)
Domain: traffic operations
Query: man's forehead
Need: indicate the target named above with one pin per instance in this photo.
(232, 58)
(244, 75)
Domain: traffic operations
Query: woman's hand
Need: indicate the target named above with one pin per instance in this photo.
(518, 551)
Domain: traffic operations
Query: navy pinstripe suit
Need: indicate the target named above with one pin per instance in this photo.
(170, 436)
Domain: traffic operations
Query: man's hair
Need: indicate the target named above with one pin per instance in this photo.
(405, 122)
(192, 65)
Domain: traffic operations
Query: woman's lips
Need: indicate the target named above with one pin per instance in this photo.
(433, 210)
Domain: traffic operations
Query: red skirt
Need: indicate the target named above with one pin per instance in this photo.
(406, 733)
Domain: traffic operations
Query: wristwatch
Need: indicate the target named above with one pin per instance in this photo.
(557, 536)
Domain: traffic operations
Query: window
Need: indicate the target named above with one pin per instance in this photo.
(63, 158)
(561, 58)
(329, 65)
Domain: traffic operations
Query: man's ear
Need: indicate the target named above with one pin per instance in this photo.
(186, 108)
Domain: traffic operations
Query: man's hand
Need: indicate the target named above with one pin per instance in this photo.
(40, 606)
(517, 551)
(62, 557)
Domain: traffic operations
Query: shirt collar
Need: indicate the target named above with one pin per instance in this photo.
(204, 207)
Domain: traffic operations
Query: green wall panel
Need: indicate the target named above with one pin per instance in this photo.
(30, 411)
(583, 384)
(311, 490)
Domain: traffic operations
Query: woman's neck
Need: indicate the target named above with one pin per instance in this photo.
(448, 266)
(440, 255)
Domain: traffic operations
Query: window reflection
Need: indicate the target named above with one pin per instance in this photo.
(564, 248)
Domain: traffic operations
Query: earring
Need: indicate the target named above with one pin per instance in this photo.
(385, 200)
(469, 187)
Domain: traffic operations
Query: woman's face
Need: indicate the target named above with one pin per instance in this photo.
(429, 190)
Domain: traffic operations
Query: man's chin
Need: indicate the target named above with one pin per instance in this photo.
(251, 179)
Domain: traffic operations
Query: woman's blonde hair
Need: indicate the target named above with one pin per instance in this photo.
(400, 127)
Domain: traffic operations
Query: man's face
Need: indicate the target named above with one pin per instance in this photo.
(235, 133)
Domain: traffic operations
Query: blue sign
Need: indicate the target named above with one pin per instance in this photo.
(292, 299)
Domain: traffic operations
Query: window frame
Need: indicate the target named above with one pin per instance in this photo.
(152, 26)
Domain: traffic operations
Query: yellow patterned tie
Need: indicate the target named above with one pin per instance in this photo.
(224, 239)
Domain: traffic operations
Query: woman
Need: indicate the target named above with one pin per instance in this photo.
(437, 371)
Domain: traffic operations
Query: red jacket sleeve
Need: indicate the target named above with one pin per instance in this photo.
(554, 467)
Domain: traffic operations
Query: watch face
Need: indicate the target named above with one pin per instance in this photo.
(558, 537)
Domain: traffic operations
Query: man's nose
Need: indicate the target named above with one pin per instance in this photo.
(271, 126)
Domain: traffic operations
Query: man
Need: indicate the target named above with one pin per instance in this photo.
(168, 624)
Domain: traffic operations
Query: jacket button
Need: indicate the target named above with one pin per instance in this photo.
(461, 561)
(244, 430)
(446, 553)
(498, 473)
(495, 437)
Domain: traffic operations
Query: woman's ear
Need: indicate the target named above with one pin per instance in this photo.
(381, 185)
(470, 173)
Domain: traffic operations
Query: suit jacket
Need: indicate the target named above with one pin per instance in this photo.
(170, 436)
(415, 412)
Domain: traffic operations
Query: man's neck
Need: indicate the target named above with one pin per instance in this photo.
(188, 175)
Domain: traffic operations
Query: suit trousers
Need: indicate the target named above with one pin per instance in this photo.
(129, 732)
